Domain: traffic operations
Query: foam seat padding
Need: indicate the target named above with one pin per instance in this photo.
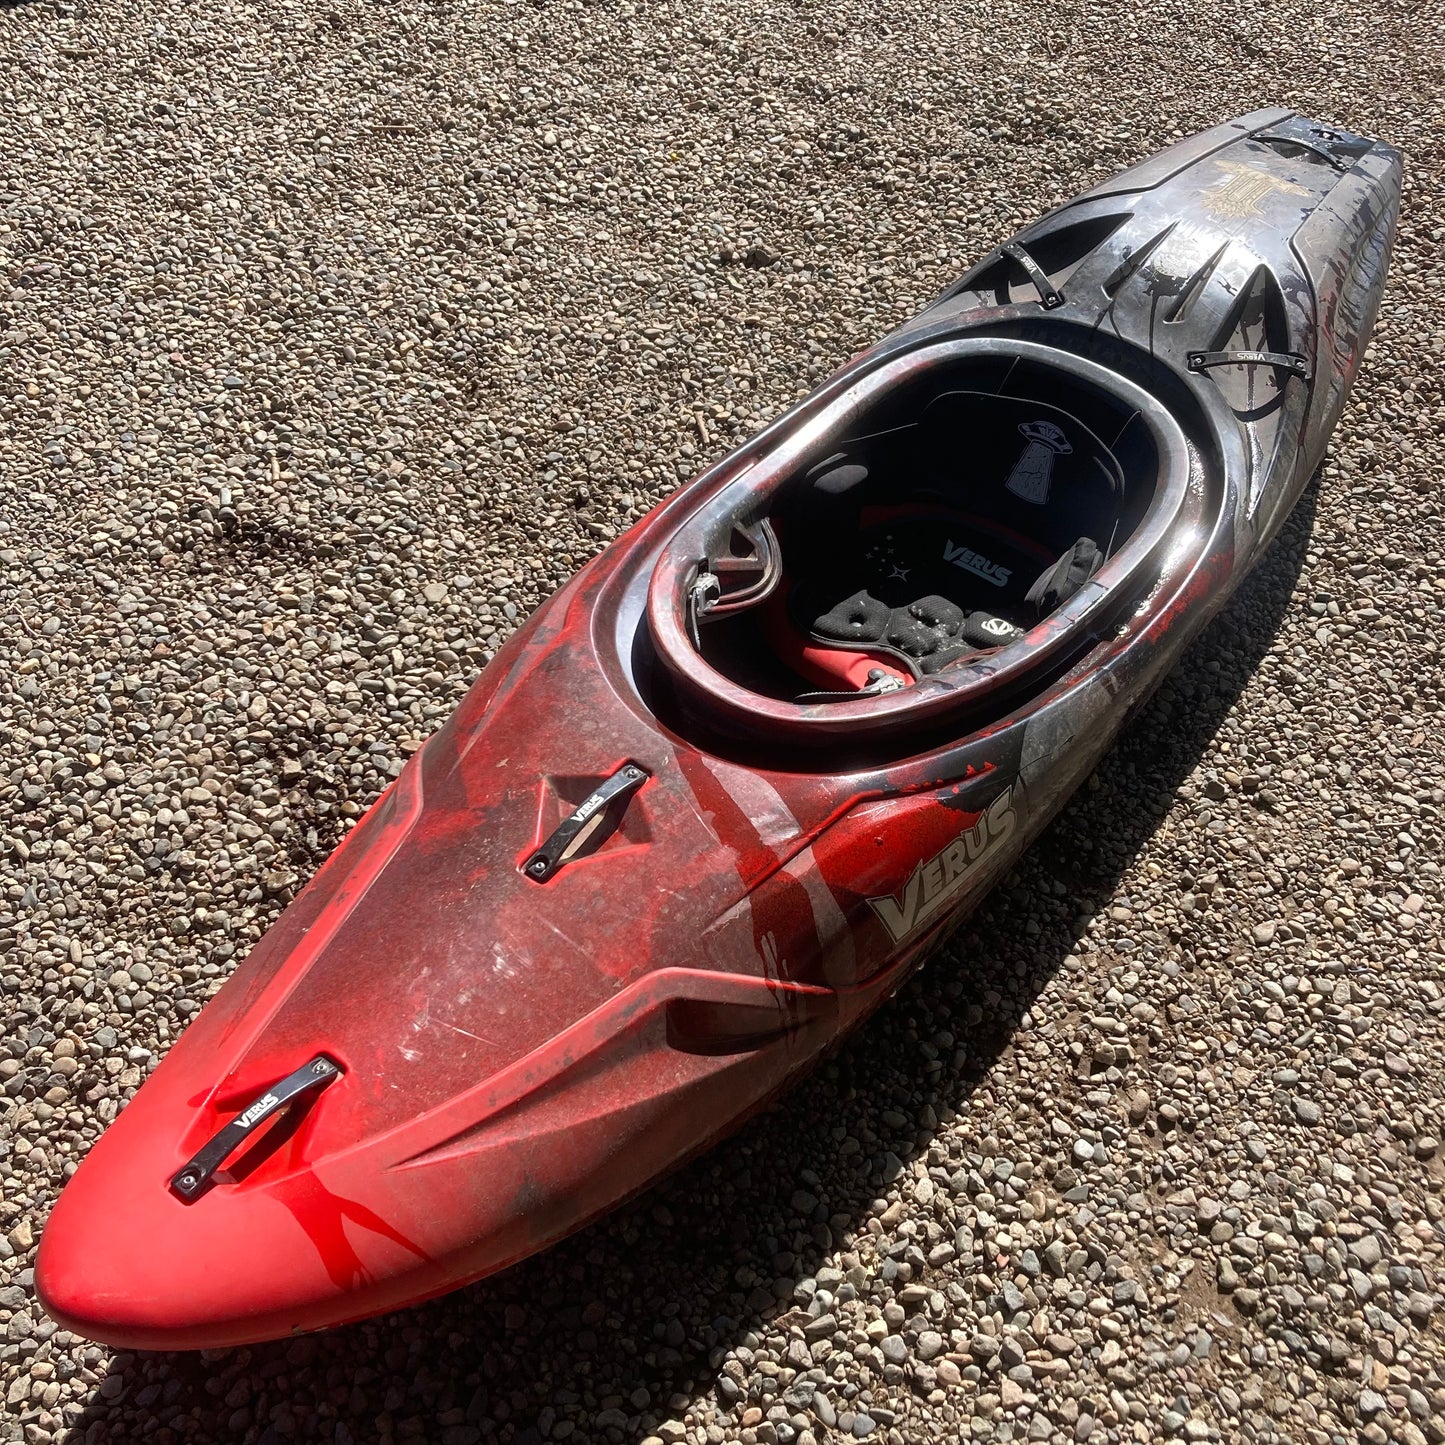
(931, 632)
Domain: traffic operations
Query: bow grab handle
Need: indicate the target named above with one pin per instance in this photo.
(195, 1177)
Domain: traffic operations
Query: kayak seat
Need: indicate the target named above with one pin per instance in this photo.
(930, 633)
(954, 534)
(929, 586)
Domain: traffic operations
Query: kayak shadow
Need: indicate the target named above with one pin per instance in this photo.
(617, 1329)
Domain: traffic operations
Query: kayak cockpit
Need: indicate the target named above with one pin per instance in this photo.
(950, 524)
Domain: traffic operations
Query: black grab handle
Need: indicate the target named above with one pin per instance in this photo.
(1290, 361)
(1049, 295)
(195, 1177)
(588, 826)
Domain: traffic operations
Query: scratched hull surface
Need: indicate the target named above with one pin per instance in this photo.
(531, 980)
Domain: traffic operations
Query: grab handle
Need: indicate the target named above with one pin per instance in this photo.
(196, 1177)
(1050, 296)
(1290, 361)
(588, 826)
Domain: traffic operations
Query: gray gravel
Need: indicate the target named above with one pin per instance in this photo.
(334, 337)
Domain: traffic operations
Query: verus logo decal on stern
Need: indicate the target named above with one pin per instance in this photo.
(258, 1110)
(976, 563)
(933, 885)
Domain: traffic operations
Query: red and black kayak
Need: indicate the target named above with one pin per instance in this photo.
(716, 799)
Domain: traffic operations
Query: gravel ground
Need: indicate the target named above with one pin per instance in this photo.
(334, 337)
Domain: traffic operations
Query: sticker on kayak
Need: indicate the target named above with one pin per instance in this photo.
(1243, 188)
(1033, 473)
(976, 563)
(935, 884)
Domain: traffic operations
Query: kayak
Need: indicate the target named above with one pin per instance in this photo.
(712, 804)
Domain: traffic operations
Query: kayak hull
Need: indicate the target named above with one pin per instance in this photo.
(506, 1057)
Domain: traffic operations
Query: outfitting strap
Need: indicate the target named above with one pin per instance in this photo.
(879, 685)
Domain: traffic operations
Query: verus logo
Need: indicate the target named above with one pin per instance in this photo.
(258, 1110)
(976, 563)
(933, 885)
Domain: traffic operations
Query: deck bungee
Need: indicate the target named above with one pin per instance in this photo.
(713, 802)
